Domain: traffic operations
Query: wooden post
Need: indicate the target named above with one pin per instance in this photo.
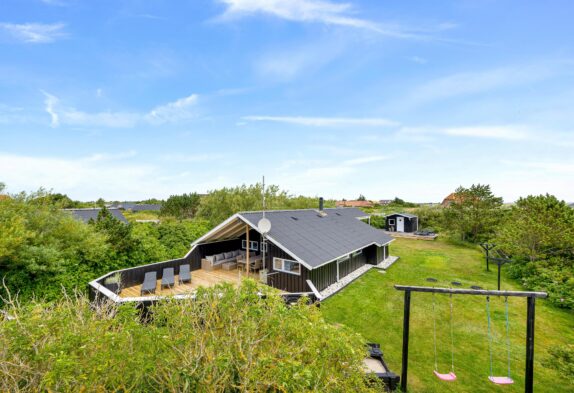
(248, 249)
(406, 320)
(529, 373)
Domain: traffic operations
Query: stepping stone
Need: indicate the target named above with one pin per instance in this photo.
(475, 287)
(456, 283)
(430, 279)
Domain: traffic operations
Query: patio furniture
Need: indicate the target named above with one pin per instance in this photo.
(214, 262)
(184, 274)
(168, 279)
(229, 265)
(149, 283)
(254, 261)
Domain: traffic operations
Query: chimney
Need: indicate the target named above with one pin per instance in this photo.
(321, 204)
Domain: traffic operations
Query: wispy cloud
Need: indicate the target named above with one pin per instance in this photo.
(34, 33)
(326, 121)
(493, 132)
(319, 11)
(545, 166)
(173, 112)
(476, 82)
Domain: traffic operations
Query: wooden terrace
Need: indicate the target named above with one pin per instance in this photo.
(199, 278)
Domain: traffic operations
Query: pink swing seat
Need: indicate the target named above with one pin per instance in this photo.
(501, 380)
(445, 377)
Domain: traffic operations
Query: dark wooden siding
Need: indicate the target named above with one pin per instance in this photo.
(203, 250)
(324, 276)
(410, 223)
(284, 281)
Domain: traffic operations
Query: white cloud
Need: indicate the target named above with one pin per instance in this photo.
(469, 83)
(418, 60)
(111, 176)
(35, 33)
(494, 132)
(544, 166)
(326, 121)
(315, 11)
(173, 112)
(50, 103)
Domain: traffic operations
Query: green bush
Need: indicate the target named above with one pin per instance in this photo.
(229, 340)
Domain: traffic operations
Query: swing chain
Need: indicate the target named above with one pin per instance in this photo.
(434, 332)
(489, 333)
(451, 336)
(507, 334)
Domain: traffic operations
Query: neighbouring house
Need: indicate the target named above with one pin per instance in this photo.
(305, 251)
(92, 214)
(137, 207)
(354, 204)
(402, 222)
(450, 199)
(571, 205)
(385, 202)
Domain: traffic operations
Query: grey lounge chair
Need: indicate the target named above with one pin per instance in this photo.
(168, 279)
(149, 283)
(184, 274)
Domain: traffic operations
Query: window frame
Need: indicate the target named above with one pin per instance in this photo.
(391, 221)
(282, 269)
(253, 245)
(264, 247)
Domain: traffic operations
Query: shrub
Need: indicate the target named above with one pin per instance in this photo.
(562, 359)
(228, 340)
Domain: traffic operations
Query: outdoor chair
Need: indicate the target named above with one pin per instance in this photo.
(149, 283)
(167, 279)
(184, 274)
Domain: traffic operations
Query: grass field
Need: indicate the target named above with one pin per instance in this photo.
(372, 307)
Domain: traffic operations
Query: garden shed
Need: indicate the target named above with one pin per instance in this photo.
(402, 222)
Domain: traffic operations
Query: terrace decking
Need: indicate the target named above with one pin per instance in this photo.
(199, 278)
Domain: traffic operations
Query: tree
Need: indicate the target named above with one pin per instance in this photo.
(181, 206)
(474, 212)
(101, 202)
(537, 227)
(2, 186)
(361, 198)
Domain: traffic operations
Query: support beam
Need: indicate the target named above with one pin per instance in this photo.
(479, 292)
(529, 372)
(248, 250)
(406, 323)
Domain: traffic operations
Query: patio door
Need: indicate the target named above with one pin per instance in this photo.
(400, 224)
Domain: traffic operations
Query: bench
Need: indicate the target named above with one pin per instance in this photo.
(168, 278)
(184, 274)
(149, 283)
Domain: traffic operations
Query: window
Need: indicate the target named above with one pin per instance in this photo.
(264, 247)
(391, 221)
(357, 253)
(253, 246)
(344, 259)
(286, 266)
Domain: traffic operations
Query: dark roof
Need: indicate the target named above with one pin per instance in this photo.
(317, 239)
(407, 215)
(87, 214)
(137, 206)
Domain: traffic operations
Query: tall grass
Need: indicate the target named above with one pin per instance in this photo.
(228, 340)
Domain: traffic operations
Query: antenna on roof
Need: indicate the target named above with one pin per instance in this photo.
(264, 226)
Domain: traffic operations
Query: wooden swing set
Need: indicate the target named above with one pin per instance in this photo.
(451, 376)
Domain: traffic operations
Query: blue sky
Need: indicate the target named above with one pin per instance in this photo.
(135, 99)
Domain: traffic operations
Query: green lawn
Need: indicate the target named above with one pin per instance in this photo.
(372, 307)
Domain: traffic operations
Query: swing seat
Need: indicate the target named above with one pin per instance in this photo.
(501, 380)
(445, 377)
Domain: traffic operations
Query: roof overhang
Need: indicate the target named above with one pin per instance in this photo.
(349, 253)
(233, 228)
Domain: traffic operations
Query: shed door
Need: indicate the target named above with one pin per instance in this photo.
(400, 224)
